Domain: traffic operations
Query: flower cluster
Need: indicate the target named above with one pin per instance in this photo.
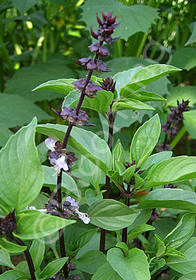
(90, 89)
(8, 224)
(108, 84)
(69, 209)
(70, 115)
(173, 119)
(137, 170)
(59, 157)
(90, 64)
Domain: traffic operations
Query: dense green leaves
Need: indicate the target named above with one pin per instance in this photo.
(52, 268)
(133, 19)
(134, 266)
(170, 198)
(111, 215)
(172, 170)
(63, 86)
(184, 58)
(86, 142)
(21, 176)
(106, 272)
(33, 224)
(144, 140)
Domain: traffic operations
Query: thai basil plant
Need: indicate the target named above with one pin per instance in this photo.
(95, 210)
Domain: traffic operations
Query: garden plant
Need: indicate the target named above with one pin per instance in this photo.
(98, 193)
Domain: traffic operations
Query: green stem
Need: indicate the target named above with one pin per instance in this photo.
(141, 46)
(178, 137)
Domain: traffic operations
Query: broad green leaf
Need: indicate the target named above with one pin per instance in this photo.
(149, 74)
(5, 259)
(32, 224)
(189, 276)
(179, 93)
(21, 113)
(5, 134)
(134, 266)
(188, 265)
(156, 264)
(130, 104)
(133, 19)
(90, 261)
(11, 247)
(144, 140)
(68, 182)
(133, 233)
(184, 58)
(156, 158)
(12, 275)
(161, 248)
(118, 154)
(24, 6)
(182, 232)
(63, 86)
(172, 170)
(22, 175)
(106, 272)
(174, 253)
(123, 246)
(192, 38)
(170, 198)
(100, 102)
(86, 142)
(141, 95)
(34, 75)
(37, 251)
(52, 268)
(91, 196)
(190, 122)
(111, 215)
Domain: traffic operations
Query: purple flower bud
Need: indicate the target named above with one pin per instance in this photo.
(8, 224)
(72, 201)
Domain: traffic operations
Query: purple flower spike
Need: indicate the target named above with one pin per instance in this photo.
(72, 201)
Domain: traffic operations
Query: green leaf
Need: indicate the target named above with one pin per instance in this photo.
(189, 276)
(123, 247)
(12, 275)
(133, 233)
(34, 75)
(5, 134)
(68, 182)
(24, 6)
(184, 58)
(192, 38)
(5, 259)
(111, 215)
(161, 248)
(182, 232)
(190, 122)
(134, 266)
(149, 74)
(156, 264)
(174, 253)
(37, 251)
(118, 154)
(63, 86)
(32, 224)
(21, 176)
(170, 198)
(90, 261)
(52, 268)
(91, 196)
(172, 170)
(21, 113)
(100, 102)
(156, 159)
(188, 265)
(11, 247)
(144, 140)
(141, 95)
(129, 104)
(106, 272)
(179, 93)
(133, 19)
(86, 142)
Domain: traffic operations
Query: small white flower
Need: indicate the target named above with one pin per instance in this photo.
(83, 216)
(60, 163)
(50, 143)
(72, 201)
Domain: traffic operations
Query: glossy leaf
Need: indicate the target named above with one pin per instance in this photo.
(148, 74)
(111, 215)
(156, 158)
(68, 183)
(106, 272)
(52, 268)
(182, 232)
(141, 95)
(11, 247)
(173, 170)
(37, 251)
(5, 259)
(32, 224)
(133, 233)
(86, 142)
(133, 19)
(134, 266)
(130, 104)
(21, 176)
(12, 275)
(161, 248)
(144, 140)
(63, 86)
(170, 198)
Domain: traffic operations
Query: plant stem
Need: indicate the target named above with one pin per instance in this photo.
(28, 257)
(178, 137)
(111, 119)
(127, 202)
